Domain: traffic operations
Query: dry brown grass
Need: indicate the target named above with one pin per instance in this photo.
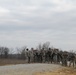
(64, 71)
(11, 62)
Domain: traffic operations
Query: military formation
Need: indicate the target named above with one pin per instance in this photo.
(50, 56)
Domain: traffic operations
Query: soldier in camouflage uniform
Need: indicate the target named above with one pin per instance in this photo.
(28, 55)
(49, 55)
(64, 58)
(43, 55)
(55, 55)
(72, 59)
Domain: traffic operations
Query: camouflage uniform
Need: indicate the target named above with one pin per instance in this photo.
(65, 58)
(28, 56)
(55, 56)
(72, 60)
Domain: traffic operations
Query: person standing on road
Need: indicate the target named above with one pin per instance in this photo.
(64, 58)
(72, 59)
(28, 55)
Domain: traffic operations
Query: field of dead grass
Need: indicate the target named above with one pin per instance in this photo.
(11, 62)
(63, 71)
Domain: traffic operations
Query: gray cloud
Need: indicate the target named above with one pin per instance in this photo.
(29, 22)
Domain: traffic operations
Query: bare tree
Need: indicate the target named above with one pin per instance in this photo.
(46, 45)
(1, 52)
(4, 51)
(39, 47)
(21, 52)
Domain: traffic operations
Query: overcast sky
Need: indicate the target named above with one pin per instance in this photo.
(30, 22)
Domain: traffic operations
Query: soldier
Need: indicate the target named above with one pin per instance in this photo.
(28, 55)
(32, 55)
(59, 57)
(72, 59)
(55, 56)
(43, 55)
(49, 53)
(64, 58)
(36, 56)
(75, 59)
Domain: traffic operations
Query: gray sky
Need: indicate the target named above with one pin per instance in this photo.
(30, 22)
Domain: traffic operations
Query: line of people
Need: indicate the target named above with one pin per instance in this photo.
(50, 56)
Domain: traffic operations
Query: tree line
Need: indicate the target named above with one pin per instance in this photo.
(6, 52)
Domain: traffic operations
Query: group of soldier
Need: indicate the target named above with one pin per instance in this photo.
(50, 56)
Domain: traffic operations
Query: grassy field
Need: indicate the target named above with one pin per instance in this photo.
(11, 62)
(64, 71)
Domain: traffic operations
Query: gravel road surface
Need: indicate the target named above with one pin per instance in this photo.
(27, 69)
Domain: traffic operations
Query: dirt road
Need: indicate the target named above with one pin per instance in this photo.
(27, 69)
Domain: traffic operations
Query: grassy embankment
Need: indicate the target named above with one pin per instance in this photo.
(64, 71)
